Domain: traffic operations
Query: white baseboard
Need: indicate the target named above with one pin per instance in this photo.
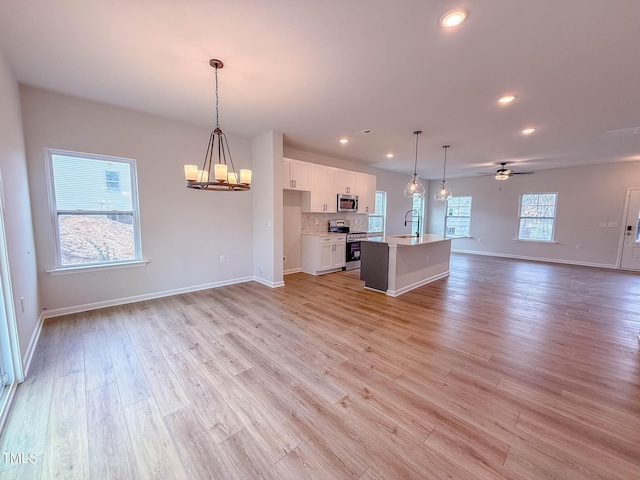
(139, 298)
(268, 283)
(28, 355)
(292, 270)
(534, 259)
(400, 291)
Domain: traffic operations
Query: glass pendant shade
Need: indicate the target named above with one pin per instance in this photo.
(414, 188)
(444, 194)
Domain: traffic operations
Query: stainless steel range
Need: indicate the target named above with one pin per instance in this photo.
(352, 254)
(353, 249)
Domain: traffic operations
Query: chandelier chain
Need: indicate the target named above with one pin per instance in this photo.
(415, 162)
(444, 168)
(217, 116)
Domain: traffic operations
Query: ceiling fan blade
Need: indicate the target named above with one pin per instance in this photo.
(483, 174)
(522, 173)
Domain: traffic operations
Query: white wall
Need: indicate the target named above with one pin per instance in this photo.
(390, 182)
(586, 196)
(292, 229)
(17, 214)
(267, 209)
(184, 231)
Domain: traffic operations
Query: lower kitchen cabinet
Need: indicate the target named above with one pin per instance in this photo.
(323, 253)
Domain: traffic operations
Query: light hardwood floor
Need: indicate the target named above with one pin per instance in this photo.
(505, 369)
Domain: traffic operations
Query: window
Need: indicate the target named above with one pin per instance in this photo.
(94, 203)
(377, 220)
(418, 205)
(112, 180)
(537, 216)
(458, 219)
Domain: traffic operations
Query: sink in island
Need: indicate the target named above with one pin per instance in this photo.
(396, 264)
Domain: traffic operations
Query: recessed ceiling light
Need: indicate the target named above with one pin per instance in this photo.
(507, 99)
(528, 131)
(344, 140)
(389, 155)
(453, 18)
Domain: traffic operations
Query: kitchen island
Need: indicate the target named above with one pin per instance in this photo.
(396, 264)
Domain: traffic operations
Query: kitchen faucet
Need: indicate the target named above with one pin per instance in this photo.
(413, 221)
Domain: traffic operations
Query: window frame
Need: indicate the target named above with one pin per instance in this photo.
(377, 214)
(553, 219)
(421, 212)
(55, 213)
(446, 216)
(110, 184)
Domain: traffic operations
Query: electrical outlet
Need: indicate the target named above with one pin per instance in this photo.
(427, 259)
(602, 225)
(223, 259)
(578, 247)
(612, 224)
(479, 239)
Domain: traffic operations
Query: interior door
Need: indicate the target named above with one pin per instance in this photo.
(630, 259)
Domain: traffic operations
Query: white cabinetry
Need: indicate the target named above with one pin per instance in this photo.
(323, 196)
(347, 182)
(366, 196)
(324, 183)
(323, 253)
(360, 184)
(296, 175)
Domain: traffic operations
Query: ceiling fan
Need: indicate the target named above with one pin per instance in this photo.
(503, 173)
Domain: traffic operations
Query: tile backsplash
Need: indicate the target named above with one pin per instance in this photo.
(318, 223)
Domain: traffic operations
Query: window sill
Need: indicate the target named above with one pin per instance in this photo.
(95, 268)
(458, 236)
(546, 242)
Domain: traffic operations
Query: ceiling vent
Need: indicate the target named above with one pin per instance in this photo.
(366, 131)
(623, 132)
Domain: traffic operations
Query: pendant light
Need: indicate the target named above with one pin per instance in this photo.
(414, 188)
(222, 179)
(444, 194)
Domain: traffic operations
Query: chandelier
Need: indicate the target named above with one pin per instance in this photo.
(414, 188)
(222, 179)
(444, 194)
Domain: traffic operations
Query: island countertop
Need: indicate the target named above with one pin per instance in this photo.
(406, 240)
(396, 264)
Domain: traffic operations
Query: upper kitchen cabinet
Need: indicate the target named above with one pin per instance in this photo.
(366, 191)
(296, 175)
(347, 182)
(370, 205)
(323, 197)
(360, 184)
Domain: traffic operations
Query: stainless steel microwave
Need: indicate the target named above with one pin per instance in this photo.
(347, 203)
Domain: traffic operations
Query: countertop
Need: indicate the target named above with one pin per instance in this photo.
(403, 240)
(326, 234)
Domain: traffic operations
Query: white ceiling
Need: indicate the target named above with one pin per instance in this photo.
(320, 70)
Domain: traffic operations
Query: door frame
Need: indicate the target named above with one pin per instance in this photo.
(10, 327)
(623, 225)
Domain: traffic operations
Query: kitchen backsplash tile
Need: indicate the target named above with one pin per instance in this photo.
(318, 223)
